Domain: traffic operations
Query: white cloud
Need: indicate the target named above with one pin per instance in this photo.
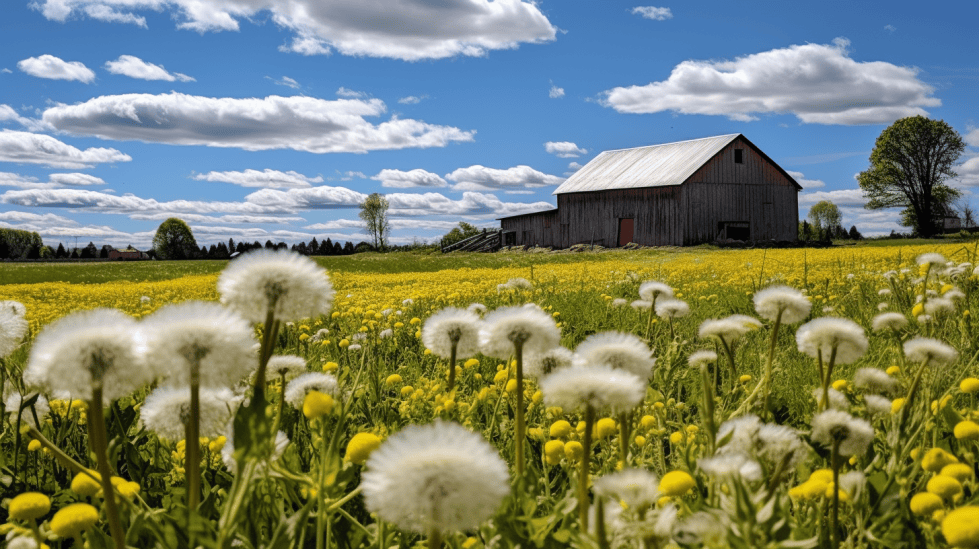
(8, 113)
(397, 224)
(348, 175)
(75, 179)
(134, 67)
(800, 178)
(843, 197)
(400, 30)
(5, 70)
(481, 178)
(890, 28)
(819, 84)
(415, 178)
(233, 219)
(313, 198)
(555, 92)
(650, 12)
(572, 168)
(272, 179)
(412, 99)
(298, 123)
(54, 68)
(972, 138)
(564, 149)
(968, 173)
(350, 94)
(471, 204)
(35, 148)
(286, 81)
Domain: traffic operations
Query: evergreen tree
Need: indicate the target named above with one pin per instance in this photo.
(348, 248)
(855, 234)
(231, 245)
(221, 251)
(90, 251)
(212, 252)
(313, 248)
(269, 245)
(326, 248)
(61, 253)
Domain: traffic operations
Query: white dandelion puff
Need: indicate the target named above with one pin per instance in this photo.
(618, 350)
(634, 487)
(782, 300)
(728, 329)
(837, 400)
(298, 388)
(519, 284)
(596, 386)
(228, 451)
(385, 334)
(853, 435)
(829, 335)
(88, 349)
(641, 304)
(939, 305)
(13, 326)
(882, 306)
(652, 290)
(354, 347)
(435, 477)
(477, 308)
(452, 327)
(700, 358)
(889, 321)
(166, 411)
(672, 308)
(873, 380)
(292, 286)
(878, 405)
(619, 302)
(198, 341)
(731, 466)
(510, 328)
(408, 302)
(935, 261)
(541, 364)
(929, 351)
(286, 366)
(954, 294)
(14, 401)
(884, 292)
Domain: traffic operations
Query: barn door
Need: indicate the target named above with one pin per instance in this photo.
(626, 230)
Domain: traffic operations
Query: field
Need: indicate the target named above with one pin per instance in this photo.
(779, 436)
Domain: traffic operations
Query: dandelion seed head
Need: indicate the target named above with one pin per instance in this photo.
(672, 308)
(287, 366)
(939, 305)
(731, 466)
(385, 334)
(619, 302)
(278, 448)
(889, 321)
(854, 435)
(600, 387)
(929, 351)
(166, 411)
(837, 400)
(634, 487)
(728, 329)
(934, 261)
(13, 326)
(298, 388)
(519, 284)
(618, 350)
(793, 306)
(13, 401)
(701, 358)
(652, 290)
(878, 405)
(97, 347)
(507, 328)
(823, 335)
(541, 364)
(641, 304)
(438, 476)
(873, 380)
(452, 326)
(296, 285)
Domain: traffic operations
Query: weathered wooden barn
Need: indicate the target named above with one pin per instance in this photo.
(674, 194)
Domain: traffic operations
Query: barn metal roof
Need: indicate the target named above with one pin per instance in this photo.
(652, 166)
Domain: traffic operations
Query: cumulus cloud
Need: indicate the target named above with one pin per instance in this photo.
(573, 167)
(134, 67)
(412, 99)
(286, 81)
(564, 149)
(819, 84)
(299, 123)
(414, 178)
(471, 204)
(968, 173)
(650, 12)
(233, 219)
(7, 113)
(972, 138)
(890, 28)
(54, 68)
(396, 224)
(348, 175)
(800, 178)
(35, 148)
(313, 198)
(481, 178)
(400, 30)
(272, 179)
(555, 92)
(352, 94)
(843, 197)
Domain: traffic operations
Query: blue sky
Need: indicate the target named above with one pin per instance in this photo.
(272, 119)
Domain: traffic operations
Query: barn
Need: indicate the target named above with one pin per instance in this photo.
(675, 194)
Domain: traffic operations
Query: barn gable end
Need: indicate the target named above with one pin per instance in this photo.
(675, 194)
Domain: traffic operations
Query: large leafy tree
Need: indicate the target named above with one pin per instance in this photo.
(374, 213)
(910, 163)
(174, 240)
(825, 217)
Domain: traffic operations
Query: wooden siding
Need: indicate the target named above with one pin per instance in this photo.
(537, 229)
(587, 218)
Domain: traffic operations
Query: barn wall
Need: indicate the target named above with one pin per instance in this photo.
(755, 192)
(538, 229)
(594, 217)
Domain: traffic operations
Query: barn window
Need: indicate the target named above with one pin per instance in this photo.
(739, 156)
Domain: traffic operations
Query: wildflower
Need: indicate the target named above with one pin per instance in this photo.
(837, 400)
(477, 308)
(969, 385)
(959, 471)
(827, 336)
(553, 452)
(317, 404)
(285, 284)
(961, 526)
(574, 451)
(13, 326)
(966, 430)
(676, 483)
(934, 262)
(731, 465)
(541, 364)
(929, 351)
(438, 477)
(876, 381)
(946, 487)
(14, 401)
(73, 519)
(560, 429)
(936, 458)
(641, 304)
(636, 488)
(297, 389)
(96, 349)
(286, 366)
(519, 284)
(452, 328)
(652, 290)
(617, 350)
(128, 490)
(166, 411)
(782, 301)
(672, 308)
(889, 321)
(605, 428)
(925, 503)
(392, 380)
(728, 329)
(699, 358)
(360, 447)
(833, 426)
(510, 328)
(29, 506)
(595, 386)
(274, 452)
(878, 405)
(86, 486)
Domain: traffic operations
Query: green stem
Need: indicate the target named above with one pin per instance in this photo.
(834, 462)
(434, 539)
(98, 440)
(600, 531)
(585, 467)
(281, 408)
(321, 493)
(769, 366)
(624, 433)
(192, 449)
(521, 428)
(708, 409)
(238, 494)
(909, 400)
(452, 366)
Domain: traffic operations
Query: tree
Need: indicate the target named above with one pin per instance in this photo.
(909, 165)
(825, 217)
(854, 233)
(460, 233)
(60, 253)
(174, 240)
(374, 213)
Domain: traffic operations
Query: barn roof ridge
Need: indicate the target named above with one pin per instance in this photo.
(731, 135)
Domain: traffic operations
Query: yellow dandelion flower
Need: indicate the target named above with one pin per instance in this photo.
(966, 430)
(317, 404)
(29, 506)
(74, 518)
(961, 527)
(935, 459)
(944, 486)
(554, 450)
(573, 451)
(86, 486)
(676, 483)
(560, 429)
(606, 427)
(969, 385)
(360, 447)
(925, 503)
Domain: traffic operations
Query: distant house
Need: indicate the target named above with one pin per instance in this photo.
(129, 253)
(675, 194)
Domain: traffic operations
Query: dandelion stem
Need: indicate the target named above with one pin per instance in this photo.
(585, 467)
(834, 463)
(192, 450)
(708, 408)
(98, 440)
(769, 366)
(624, 428)
(520, 427)
(452, 365)
(434, 539)
(600, 531)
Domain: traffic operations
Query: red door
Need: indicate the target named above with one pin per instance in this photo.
(626, 227)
